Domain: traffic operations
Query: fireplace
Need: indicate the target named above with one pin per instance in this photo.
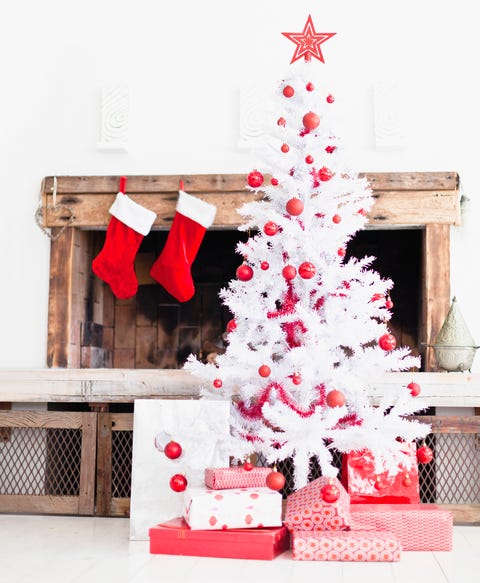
(408, 232)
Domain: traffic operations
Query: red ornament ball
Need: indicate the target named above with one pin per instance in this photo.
(330, 98)
(294, 207)
(311, 120)
(387, 342)
(341, 252)
(307, 270)
(178, 483)
(407, 481)
(336, 219)
(289, 272)
(309, 86)
(264, 265)
(330, 149)
(275, 480)
(274, 182)
(378, 485)
(281, 122)
(414, 389)
(255, 179)
(248, 466)
(231, 325)
(296, 378)
(172, 450)
(389, 304)
(330, 493)
(288, 91)
(335, 398)
(264, 371)
(270, 228)
(424, 455)
(309, 159)
(285, 148)
(325, 174)
(217, 383)
(244, 272)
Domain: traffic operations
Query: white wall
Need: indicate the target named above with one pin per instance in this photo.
(185, 63)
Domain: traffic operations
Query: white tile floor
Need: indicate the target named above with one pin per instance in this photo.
(46, 549)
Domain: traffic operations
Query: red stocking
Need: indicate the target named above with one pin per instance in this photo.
(172, 268)
(129, 223)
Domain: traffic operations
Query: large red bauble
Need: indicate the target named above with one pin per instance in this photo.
(414, 389)
(294, 207)
(255, 179)
(244, 272)
(307, 270)
(387, 342)
(311, 120)
(248, 466)
(264, 371)
(335, 398)
(325, 174)
(289, 272)
(172, 450)
(424, 454)
(285, 148)
(288, 91)
(178, 483)
(337, 219)
(270, 228)
(330, 493)
(231, 325)
(275, 480)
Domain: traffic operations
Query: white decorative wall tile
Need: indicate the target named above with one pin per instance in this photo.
(253, 113)
(388, 117)
(114, 118)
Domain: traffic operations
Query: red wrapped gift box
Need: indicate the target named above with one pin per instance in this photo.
(318, 545)
(367, 487)
(419, 527)
(175, 538)
(236, 477)
(306, 509)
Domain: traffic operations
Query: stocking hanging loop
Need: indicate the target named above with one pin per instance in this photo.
(55, 208)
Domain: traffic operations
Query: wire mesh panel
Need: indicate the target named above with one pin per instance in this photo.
(122, 447)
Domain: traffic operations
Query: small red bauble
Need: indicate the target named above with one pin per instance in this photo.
(288, 91)
(307, 270)
(330, 493)
(387, 342)
(285, 148)
(264, 265)
(255, 179)
(275, 480)
(407, 481)
(172, 450)
(270, 228)
(335, 398)
(378, 485)
(424, 455)
(309, 159)
(311, 120)
(178, 483)
(281, 121)
(309, 86)
(289, 272)
(274, 182)
(244, 272)
(294, 207)
(389, 304)
(264, 371)
(341, 252)
(330, 98)
(330, 149)
(414, 389)
(217, 383)
(325, 174)
(231, 325)
(336, 219)
(296, 378)
(248, 467)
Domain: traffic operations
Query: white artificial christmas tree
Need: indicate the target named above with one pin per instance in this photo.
(310, 328)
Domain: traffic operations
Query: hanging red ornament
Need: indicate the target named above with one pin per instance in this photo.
(264, 371)
(231, 325)
(307, 270)
(294, 207)
(424, 455)
(288, 91)
(172, 450)
(309, 159)
(407, 481)
(378, 484)
(311, 120)
(335, 398)
(281, 122)
(275, 480)
(330, 98)
(325, 174)
(289, 272)
(336, 219)
(285, 148)
(244, 272)
(389, 304)
(414, 389)
(377, 297)
(270, 228)
(255, 179)
(274, 182)
(330, 149)
(330, 493)
(387, 342)
(296, 378)
(309, 86)
(248, 466)
(217, 383)
(178, 483)
(341, 252)
(264, 265)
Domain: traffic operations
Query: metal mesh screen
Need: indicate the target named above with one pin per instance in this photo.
(122, 447)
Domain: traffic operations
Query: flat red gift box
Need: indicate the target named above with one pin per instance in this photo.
(174, 537)
(236, 477)
(318, 545)
(367, 487)
(306, 509)
(419, 527)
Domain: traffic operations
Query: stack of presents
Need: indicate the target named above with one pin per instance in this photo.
(363, 517)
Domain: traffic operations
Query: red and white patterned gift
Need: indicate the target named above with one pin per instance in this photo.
(207, 509)
(419, 527)
(236, 477)
(318, 545)
(306, 510)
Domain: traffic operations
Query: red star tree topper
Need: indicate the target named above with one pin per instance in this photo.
(308, 42)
